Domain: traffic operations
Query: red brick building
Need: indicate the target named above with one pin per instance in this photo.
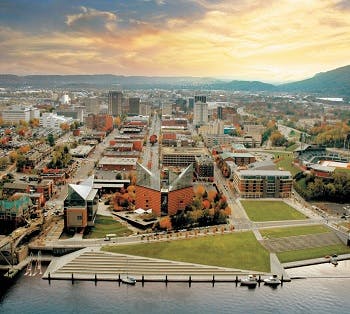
(147, 198)
(166, 200)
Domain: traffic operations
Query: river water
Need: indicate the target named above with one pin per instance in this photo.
(325, 290)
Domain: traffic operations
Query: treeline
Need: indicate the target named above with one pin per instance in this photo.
(336, 189)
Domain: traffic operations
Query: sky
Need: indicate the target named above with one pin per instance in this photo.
(267, 40)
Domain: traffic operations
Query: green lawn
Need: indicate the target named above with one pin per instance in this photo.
(292, 231)
(285, 162)
(270, 211)
(238, 250)
(292, 147)
(105, 225)
(299, 255)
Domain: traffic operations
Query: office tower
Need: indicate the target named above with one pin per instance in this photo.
(134, 105)
(200, 113)
(115, 103)
(201, 98)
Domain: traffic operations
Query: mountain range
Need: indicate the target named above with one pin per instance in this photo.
(334, 83)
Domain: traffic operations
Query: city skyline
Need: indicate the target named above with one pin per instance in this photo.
(275, 41)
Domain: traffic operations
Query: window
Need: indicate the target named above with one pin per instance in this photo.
(79, 217)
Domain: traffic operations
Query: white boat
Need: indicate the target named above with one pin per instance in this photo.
(129, 280)
(272, 281)
(334, 261)
(250, 281)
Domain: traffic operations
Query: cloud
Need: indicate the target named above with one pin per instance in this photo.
(281, 40)
(92, 19)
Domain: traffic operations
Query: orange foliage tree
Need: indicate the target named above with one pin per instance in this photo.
(165, 223)
(24, 149)
(199, 190)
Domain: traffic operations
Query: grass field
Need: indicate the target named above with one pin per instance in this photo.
(238, 250)
(291, 256)
(292, 147)
(285, 161)
(270, 211)
(292, 231)
(105, 225)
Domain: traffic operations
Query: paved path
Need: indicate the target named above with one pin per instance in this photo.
(277, 268)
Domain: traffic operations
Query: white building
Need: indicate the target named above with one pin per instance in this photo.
(52, 120)
(213, 127)
(65, 100)
(200, 113)
(15, 114)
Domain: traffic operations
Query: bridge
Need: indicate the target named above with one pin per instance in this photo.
(15, 238)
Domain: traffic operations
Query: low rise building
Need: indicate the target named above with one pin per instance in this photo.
(204, 168)
(240, 159)
(14, 212)
(118, 164)
(168, 200)
(263, 183)
(181, 156)
(80, 205)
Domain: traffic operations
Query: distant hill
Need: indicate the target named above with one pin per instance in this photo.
(252, 86)
(106, 81)
(334, 83)
(331, 83)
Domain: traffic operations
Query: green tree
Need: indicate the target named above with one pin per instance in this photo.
(51, 140)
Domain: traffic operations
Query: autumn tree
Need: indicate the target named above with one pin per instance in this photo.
(277, 139)
(64, 127)
(3, 162)
(118, 121)
(34, 123)
(165, 223)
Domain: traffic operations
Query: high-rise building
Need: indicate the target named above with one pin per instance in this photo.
(200, 113)
(115, 103)
(201, 98)
(134, 105)
(190, 102)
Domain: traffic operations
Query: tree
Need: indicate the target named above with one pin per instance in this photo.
(34, 123)
(13, 156)
(118, 121)
(3, 162)
(277, 139)
(165, 223)
(21, 161)
(200, 189)
(51, 140)
(64, 127)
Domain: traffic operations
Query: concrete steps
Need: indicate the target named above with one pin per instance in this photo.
(110, 265)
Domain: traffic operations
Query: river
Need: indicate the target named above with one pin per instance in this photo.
(325, 290)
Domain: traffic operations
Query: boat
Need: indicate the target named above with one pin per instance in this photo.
(272, 281)
(334, 261)
(250, 281)
(129, 280)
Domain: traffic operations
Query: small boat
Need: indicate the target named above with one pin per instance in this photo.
(334, 261)
(250, 281)
(129, 280)
(272, 281)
